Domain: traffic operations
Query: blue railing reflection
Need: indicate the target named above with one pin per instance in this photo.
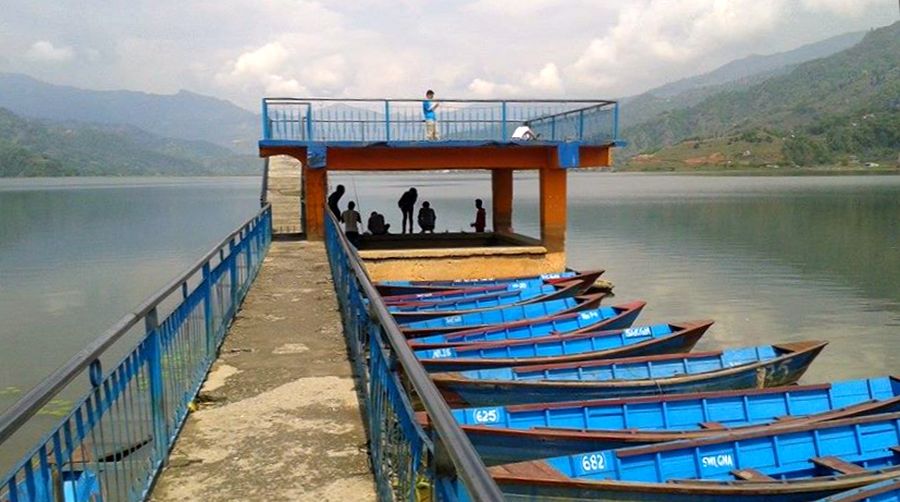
(401, 120)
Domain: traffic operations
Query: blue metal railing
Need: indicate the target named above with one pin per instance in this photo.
(112, 444)
(408, 464)
(401, 120)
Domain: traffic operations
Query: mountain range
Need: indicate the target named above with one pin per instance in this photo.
(841, 108)
(833, 101)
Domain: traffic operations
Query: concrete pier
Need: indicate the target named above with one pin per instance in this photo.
(278, 418)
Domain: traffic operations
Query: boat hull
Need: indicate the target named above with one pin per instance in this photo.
(783, 370)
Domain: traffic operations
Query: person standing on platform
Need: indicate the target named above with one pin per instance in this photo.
(428, 108)
(427, 218)
(334, 199)
(480, 216)
(352, 220)
(407, 204)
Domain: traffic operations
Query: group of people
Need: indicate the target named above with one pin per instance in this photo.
(427, 218)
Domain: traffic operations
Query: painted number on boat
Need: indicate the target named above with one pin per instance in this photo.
(486, 415)
(454, 319)
(518, 285)
(550, 276)
(424, 295)
(636, 332)
(593, 462)
(589, 315)
(718, 461)
(442, 353)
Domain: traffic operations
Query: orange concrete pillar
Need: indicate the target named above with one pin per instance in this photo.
(553, 209)
(315, 183)
(502, 197)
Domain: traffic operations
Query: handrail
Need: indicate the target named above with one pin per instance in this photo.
(453, 100)
(28, 405)
(469, 465)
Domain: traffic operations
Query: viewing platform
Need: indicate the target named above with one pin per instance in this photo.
(502, 137)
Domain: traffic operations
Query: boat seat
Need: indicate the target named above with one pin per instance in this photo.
(716, 426)
(751, 475)
(837, 465)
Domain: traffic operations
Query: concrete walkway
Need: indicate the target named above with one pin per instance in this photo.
(279, 418)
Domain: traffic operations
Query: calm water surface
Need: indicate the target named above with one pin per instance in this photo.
(78, 254)
(770, 259)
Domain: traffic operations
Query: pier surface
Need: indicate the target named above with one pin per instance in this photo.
(278, 417)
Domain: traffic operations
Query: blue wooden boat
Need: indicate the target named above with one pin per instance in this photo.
(607, 317)
(417, 311)
(743, 368)
(882, 491)
(504, 434)
(395, 288)
(554, 349)
(503, 315)
(794, 463)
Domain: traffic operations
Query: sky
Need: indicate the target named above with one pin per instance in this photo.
(242, 50)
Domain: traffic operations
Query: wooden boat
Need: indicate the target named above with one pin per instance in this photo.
(794, 463)
(503, 315)
(553, 349)
(743, 368)
(607, 317)
(504, 434)
(394, 288)
(417, 311)
(882, 491)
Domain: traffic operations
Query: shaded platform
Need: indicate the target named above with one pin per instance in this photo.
(279, 417)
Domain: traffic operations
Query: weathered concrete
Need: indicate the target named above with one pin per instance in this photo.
(284, 193)
(279, 418)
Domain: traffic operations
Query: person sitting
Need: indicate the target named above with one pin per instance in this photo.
(524, 133)
(376, 224)
(427, 218)
(351, 219)
(480, 216)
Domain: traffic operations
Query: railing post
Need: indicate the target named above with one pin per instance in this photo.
(157, 389)
(248, 239)
(309, 126)
(266, 126)
(615, 122)
(503, 135)
(581, 125)
(387, 120)
(232, 268)
(206, 284)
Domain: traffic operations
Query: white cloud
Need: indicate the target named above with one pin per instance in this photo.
(841, 7)
(45, 51)
(547, 80)
(260, 62)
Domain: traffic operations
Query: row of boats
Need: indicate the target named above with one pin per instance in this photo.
(568, 399)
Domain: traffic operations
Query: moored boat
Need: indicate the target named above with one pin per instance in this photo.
(882, 491)
(417, 311)
(794, 463)
(607, 317)
(405, 288)
(742, 368)
(504, 434)
(553, 349)
(504, 315)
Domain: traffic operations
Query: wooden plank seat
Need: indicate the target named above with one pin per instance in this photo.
(837, 465)
(751, 475)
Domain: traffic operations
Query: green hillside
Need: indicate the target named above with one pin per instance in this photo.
(838, 109)
(34, 148)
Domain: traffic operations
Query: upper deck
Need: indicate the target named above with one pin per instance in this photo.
(323, 125)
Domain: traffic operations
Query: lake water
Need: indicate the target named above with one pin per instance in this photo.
(769, 258)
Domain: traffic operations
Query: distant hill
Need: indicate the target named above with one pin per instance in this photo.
(827, 110)
(735, 75)
(31, 147)
(184, 115)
